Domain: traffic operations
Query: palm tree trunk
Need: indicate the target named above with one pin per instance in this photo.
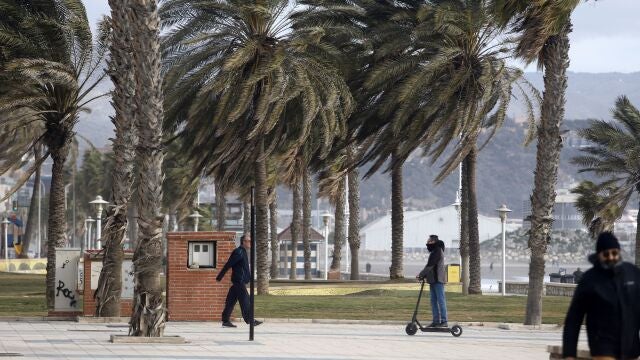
(56, 225)
(637, 260)
(262, 222)
(221, 207)
(273, 225)
(354, 217)
(397, 221)
(149, 314)
(306, 223)
(109, 289)
(246, 217)
(132, 215)
(339, 228)
(33, 208)
(464, 228)
(472, 217)
(296, 224)
(555, 61)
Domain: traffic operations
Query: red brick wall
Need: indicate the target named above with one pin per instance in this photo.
(88, 302)
(194, 294)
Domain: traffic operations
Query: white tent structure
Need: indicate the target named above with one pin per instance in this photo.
(418, 225)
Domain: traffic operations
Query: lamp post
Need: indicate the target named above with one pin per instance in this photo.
(503, 211)
(99, 205)
(196, 217)
(87, 235)
(6, 223)
(326, 216)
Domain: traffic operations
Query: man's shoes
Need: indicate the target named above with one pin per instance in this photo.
(228, 324)
(443, 325)
(433, 324)
(256, 322)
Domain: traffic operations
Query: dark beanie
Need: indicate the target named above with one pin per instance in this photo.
(606, 241)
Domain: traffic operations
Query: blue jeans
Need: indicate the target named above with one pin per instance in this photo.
(438, 303)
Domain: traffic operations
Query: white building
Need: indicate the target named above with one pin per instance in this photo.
(418, 225)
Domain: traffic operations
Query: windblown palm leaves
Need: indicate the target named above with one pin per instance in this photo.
(243, 69)
(613, 155)
(51, 87)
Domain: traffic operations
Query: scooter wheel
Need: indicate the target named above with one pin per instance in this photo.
(411, 328)
(456, 331)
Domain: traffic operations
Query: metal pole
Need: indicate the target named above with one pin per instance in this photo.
(5, 222)
(504, 256)
(253, 261)
(73, 195)
(39, 217)
(326, 250)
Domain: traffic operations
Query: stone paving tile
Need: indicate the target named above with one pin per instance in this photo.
(68, 340)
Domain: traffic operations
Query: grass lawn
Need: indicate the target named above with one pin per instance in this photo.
(23, 295)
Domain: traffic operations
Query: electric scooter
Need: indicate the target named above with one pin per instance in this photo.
(414, 325)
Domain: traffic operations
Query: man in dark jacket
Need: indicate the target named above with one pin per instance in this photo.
(241, 275)
(434, 274)
(609, 295)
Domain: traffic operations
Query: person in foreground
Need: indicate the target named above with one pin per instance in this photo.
(434, 274)
(240, 276)
(609, 295)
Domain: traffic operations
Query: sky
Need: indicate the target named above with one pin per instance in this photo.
(605, 37)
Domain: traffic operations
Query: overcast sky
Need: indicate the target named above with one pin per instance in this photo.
(605, 37)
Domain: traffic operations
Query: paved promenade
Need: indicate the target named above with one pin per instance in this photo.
(273, 340)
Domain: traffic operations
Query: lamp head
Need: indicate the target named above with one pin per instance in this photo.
(503, 211)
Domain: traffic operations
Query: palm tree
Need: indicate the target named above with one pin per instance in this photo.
(122, 74)
(543, 29)
(273, 226)
(148, 315)
(593, 203)
(353, 231)
(295, 229)
(221, 206)
(338, 201)
(306, 222)
(53, 89)
(397, 220)
(613, 154)
(243, 64)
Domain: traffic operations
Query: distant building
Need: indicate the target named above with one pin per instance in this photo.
(284, 253)
(565, 214)
(418, 225)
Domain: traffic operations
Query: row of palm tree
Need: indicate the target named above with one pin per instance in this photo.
(267, 91)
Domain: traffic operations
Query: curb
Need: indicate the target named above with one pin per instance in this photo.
(111, 320)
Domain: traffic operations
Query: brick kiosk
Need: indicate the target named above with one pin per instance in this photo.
(91, 274)
(194, 259)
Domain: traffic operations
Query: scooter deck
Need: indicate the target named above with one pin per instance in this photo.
(434, 329)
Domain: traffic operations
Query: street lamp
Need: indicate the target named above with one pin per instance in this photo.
(326, 216)
(196, 217)
(6, 223)
(98, 203)
(87, 235)
(503, 211)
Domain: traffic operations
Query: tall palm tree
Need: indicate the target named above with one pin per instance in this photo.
(122, 74)
(306, 222)
(339, 237)
(543, 29)
(52, 90)
(613, 155)
(245, 63)
(397, 220)
(353, 232)
(221, 206)
(149, 314)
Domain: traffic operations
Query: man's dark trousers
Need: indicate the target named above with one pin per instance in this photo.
(237, 292)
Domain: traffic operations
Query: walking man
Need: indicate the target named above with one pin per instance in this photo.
(434, 274)
(609, 295)
(240, 276)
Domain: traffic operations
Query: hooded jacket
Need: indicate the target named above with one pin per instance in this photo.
(610, 298)
(435, 262)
